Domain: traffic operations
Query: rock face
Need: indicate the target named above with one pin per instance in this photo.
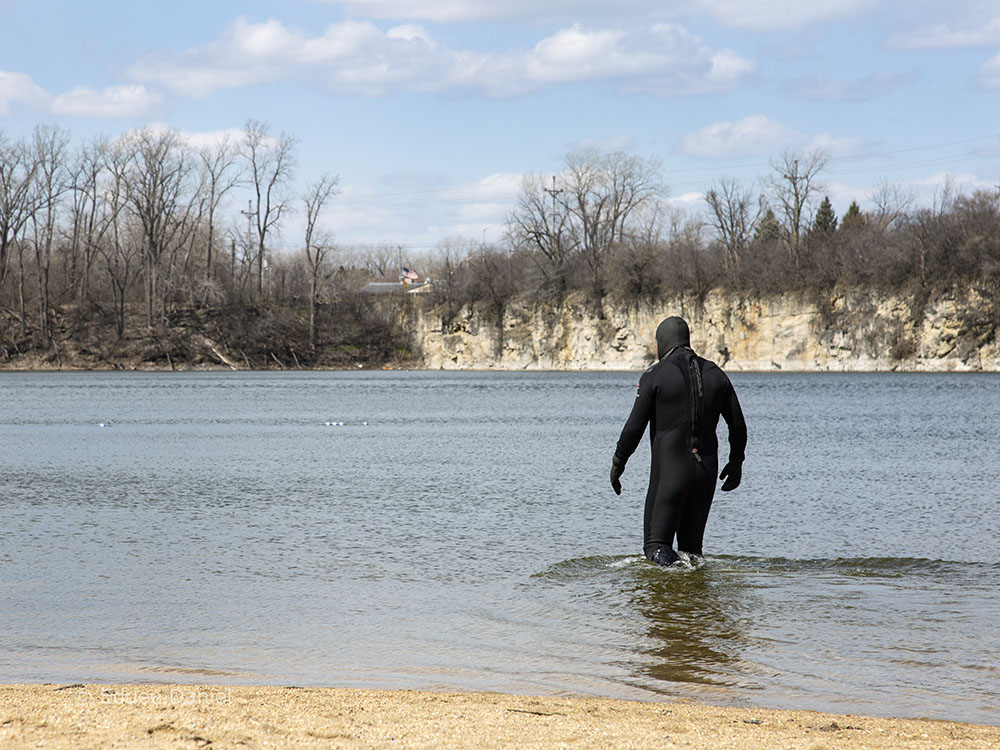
(851, 331)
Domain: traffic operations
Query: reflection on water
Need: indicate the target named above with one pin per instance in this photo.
(694, 632)
(458, 532)
(831, 633)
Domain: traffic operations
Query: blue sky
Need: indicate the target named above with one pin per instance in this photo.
(430, 111)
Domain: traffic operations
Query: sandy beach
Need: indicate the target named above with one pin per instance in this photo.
(187, 716)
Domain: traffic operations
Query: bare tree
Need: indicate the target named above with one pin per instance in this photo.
(49, 154)
(794, 185)
(17, 176)
(602, 193)
(451, 272)
(495, 272)
(161, 200)
(271, 165)
(934, 233)
(315, 198)
(110, 239)
(685, 256)
(378, 259)
(892, 204)
(638, 270)
(86, 204)
(735, 211)
(945, 195)
(541, 224)
(221, 172)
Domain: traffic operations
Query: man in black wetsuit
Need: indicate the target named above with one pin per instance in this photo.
(681, 398)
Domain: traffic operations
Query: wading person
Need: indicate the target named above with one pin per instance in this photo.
(681, 398)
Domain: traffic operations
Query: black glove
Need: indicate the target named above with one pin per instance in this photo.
(617, 467)
(734, 472)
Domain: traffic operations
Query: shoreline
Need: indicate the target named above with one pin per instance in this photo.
(197, 368)
(172, 715)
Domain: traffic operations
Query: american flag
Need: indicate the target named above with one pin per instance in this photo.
(406, 273)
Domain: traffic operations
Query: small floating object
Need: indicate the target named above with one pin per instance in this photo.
(334, 424)
(102, 424)
(364, 424)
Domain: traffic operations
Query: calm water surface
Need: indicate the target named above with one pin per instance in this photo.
(458, 531)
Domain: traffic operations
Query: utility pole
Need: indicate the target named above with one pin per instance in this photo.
(553, 192)
(249, 213)
(998, 198)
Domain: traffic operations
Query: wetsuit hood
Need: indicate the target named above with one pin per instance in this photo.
(670, 334)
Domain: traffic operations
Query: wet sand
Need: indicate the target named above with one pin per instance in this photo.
(186, 716)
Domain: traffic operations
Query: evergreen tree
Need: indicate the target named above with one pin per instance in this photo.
(768, 228)
(853, 217)
(825, 219)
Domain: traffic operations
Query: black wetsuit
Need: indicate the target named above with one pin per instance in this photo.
(681, 398)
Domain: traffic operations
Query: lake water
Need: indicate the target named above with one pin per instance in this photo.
(458, 531)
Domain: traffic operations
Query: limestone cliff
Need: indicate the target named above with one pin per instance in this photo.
(849, 331)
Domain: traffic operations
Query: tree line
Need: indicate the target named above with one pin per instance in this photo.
(121, 247)
(602, 229)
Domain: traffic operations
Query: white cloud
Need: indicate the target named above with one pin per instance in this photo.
(362, 214)
(925, 191)
(113, 101)
(110, 102)
(18, 87)
(933, 190)
(759, 135)
(990, 73)
(958, 182)
(755, 135)
(246, 54)
(945, 36)
(758, 15)
(358, 57)
(663, 60)
(774, 15)
(607, 145)
(410, 31)
(728, 66)
(841, 195)
(214, 138)
(834, 146)
(686, 200)
(506, 183)
(835, 90)
(460, 11)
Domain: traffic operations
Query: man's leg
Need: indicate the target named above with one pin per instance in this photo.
(664, 512)
(691, 525)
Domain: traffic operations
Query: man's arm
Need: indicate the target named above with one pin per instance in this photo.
(733, 414)
(634, 428)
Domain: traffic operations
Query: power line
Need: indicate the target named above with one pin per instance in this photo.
(425, 204)
(883, 167)
(472, 193)
(874, 154)
(941, 160)
(453, 189)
